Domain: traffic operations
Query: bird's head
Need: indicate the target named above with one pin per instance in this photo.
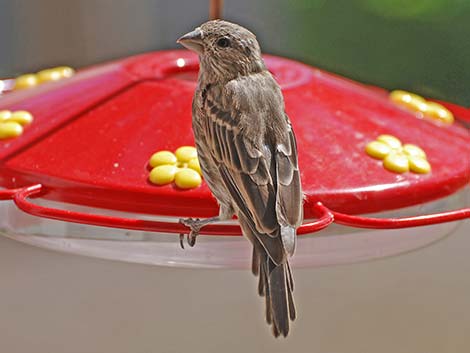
(226, 50)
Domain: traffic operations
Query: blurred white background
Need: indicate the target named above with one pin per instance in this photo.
(414, 303)
(420, 45)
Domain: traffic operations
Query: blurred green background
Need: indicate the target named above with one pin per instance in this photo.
(419, 45)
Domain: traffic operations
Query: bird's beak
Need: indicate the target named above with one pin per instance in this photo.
(192, 41)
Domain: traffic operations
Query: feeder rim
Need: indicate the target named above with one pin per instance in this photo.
(325, 217)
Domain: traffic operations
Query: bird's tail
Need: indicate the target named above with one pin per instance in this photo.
(276, 285)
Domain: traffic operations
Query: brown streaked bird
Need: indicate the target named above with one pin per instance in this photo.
(248, 156)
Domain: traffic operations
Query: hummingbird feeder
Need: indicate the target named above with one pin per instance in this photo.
(382, 174)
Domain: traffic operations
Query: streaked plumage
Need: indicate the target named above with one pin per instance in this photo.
(248, 155)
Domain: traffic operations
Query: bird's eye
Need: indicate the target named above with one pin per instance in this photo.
(223, 42)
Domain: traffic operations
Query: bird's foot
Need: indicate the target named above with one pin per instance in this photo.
(195, 225)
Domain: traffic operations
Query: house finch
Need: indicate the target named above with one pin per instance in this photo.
(248, 156)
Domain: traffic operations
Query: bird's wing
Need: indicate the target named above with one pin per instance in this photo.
(260, 171)
(289, 200)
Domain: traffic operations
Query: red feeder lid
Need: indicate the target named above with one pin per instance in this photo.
(94, 133)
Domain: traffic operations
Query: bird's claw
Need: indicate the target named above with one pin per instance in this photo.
(195, 226)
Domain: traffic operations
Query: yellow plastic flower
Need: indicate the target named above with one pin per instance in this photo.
(396, 157)
(31, 80)
(418, 104)
(12, 123)
(181, 167)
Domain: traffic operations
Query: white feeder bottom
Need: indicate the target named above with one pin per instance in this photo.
(332, 246)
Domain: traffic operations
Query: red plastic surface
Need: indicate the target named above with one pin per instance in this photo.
(94, 133)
